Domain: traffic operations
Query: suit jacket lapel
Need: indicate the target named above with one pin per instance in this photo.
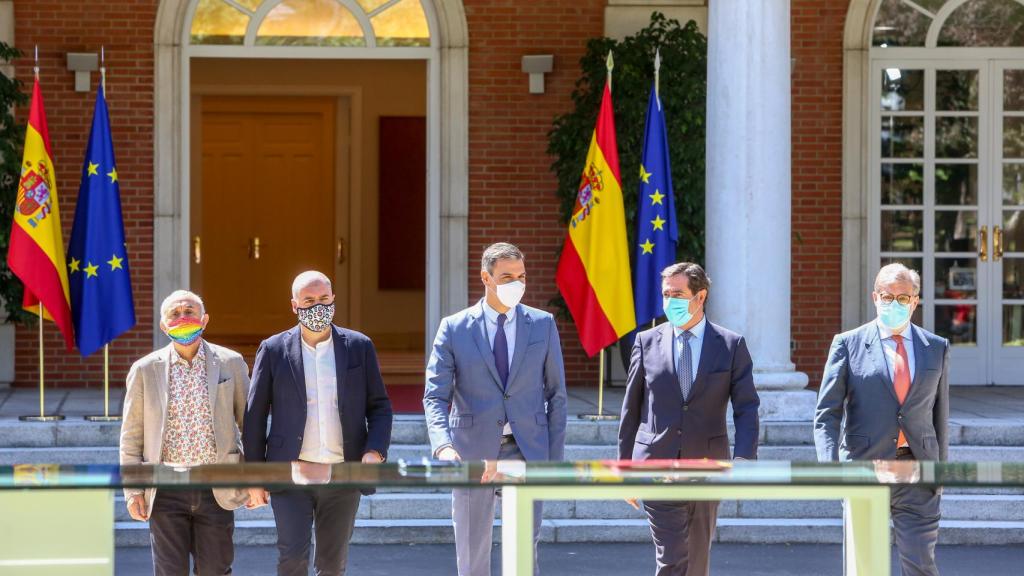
(212, 378)
(873, 343)
(478, 326)
(920, 349)
(710, 348)
(340, 362)
(524, 323)
(295, 361)
(665, 336)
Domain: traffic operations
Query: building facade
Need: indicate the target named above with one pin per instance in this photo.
(258, 138)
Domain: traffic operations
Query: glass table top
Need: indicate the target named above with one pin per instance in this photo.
(426, 473)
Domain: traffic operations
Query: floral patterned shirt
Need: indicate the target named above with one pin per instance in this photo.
(188, 431)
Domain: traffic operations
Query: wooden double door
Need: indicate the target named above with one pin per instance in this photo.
(269, 200)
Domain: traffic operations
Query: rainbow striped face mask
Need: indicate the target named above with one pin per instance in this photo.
(185, 330)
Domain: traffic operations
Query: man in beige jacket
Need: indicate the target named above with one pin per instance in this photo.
(183, 407)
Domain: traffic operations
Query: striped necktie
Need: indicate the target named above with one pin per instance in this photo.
(685, 365)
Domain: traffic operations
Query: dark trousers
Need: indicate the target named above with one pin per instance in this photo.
(328, 514)
(915, 523)
(190, 523)
(682, 533)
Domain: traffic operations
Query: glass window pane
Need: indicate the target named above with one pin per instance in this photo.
(956, 90)
(1013, 137)
(956, 231)
(1013, 231)
(902, 231)
(902, 89)
(218, 23)
(956, 278)
(902, 184)
(899, 25)
(1013, 278)
(984, 23)
(310, 23)
(956, 184)
(957, 322)
(956, 137)
(1013, 90)
(902, 137)
(403, 24)
(1013, 184)
(1013, 325)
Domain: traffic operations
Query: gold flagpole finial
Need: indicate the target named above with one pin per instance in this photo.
(657, 76)
(610, 64)
(35, 67)
(103, 69)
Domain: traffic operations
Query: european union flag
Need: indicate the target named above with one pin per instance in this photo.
(101, 288)
(656, 231)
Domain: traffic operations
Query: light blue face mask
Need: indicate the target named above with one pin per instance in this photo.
(677, 310)
(893, 315)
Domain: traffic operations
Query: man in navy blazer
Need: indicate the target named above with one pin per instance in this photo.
(682, 376)
(495, 390)
(322, 388)
(885, 396)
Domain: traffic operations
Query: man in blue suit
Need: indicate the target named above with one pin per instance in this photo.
(322, 387)
(885, 396)
(495, 390)
(682, 376)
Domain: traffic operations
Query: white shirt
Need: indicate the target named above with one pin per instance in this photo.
(321, 439)
(889, 346)
(491, 328)
(696, 345)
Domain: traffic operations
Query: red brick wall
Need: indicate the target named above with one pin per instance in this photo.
(511, 186)
(817, 45)
(512, 189)
(126, 29)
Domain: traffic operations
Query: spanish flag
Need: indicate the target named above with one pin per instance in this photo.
(36, 252)
(593, 271)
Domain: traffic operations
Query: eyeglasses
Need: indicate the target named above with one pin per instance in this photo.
(903, 299)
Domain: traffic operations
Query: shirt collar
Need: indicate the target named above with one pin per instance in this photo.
(885, 333)
(319, 345)
(199, 357)
(697, 330)
(492, 315)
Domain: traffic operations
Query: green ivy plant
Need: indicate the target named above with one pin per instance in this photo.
(12, 136)
(682, 88)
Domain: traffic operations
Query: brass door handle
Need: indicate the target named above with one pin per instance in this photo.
(341, 250)
(197, 250)
(997, 243)
(983, 243)
(254, 248)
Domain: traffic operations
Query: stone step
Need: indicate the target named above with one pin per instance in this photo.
(732, 530)
(411, 429)
(108, 454)
(437, 506)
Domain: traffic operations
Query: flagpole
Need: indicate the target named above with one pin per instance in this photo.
(42, 417)
(600, 395)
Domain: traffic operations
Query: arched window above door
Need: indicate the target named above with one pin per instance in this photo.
(949, 23)
(329, 23)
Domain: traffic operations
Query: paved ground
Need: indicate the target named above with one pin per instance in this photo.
(611, 559)
(966, 403)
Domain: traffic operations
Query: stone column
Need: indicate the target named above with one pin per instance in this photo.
(748, 193)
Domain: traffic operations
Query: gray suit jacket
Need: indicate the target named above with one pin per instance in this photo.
(859, 416)
(461, 376)
(656, 422)
(145, 411)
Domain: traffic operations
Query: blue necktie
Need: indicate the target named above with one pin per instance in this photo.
(501, 351)
(685, 369)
